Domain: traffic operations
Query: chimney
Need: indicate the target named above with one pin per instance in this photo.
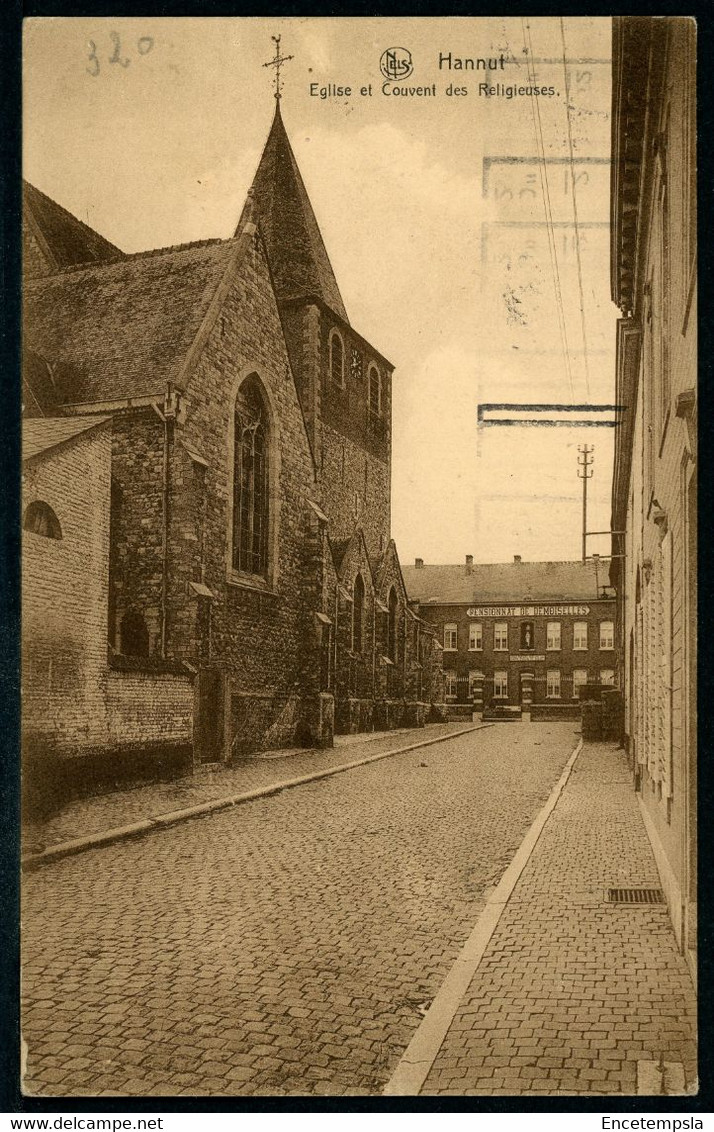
(419, 563)
(516, 557)
(469, 563)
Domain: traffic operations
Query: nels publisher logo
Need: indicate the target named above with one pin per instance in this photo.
(396, 63)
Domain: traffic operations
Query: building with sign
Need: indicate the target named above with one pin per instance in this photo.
(519, 634)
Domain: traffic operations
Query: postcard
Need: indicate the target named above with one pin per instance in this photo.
(359, 558)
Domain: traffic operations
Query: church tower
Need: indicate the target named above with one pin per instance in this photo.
(343, 382)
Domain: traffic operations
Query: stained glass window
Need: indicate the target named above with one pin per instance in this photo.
(250, 482)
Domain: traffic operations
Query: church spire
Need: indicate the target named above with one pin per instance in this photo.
(278, 199)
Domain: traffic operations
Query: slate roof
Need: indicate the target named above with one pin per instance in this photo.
(42, 433)
(68, 241)
(503, 582)
(123, 329)
(298, 257)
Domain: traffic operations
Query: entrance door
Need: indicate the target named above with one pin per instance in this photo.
(526, 690)
(208, 717)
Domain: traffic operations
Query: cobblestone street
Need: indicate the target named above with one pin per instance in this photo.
(289, 946)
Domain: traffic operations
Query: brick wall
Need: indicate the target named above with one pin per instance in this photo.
(356, 490)
(149, 707)
(64, 631)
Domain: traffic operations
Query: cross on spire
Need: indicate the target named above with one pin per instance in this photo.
(277, 62)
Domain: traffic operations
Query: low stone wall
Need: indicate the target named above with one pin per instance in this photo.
(266, 721)
(149, 708)
(353, 716)
(546, 713)
(457, 712)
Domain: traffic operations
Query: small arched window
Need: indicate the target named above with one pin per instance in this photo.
(375, 391)
(40, 519)
(357, 614)
(134, 634)
(250, 481)
(393, 606)
(337, 359)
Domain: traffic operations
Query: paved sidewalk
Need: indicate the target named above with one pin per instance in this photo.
(88, 816)
(574, 995)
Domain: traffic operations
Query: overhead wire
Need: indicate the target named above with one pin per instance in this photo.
(575, 214)
(545, 191)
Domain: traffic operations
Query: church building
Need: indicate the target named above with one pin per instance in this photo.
(245, 591)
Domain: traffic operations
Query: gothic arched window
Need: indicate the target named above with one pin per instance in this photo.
(375, 391)
(40, 519)
(357, 614)
(392, 625)
(134, 634)
(250, 481)
(337, 358)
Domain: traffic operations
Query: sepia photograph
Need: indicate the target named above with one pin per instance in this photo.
(359, 558)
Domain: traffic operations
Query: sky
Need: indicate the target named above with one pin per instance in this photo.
(468, 232)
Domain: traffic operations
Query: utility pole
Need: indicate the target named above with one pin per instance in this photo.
(585, 460)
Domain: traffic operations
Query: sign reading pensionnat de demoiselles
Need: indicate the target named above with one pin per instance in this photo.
(528, 610)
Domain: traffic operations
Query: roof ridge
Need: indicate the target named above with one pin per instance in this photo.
(179, 247)
(523, 562)
(129, 257)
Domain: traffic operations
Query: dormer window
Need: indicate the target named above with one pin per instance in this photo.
(337, 359)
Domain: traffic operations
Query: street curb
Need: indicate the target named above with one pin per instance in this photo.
(172, 817)
(415, 1063)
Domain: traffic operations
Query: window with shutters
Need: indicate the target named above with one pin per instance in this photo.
(664, 698)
